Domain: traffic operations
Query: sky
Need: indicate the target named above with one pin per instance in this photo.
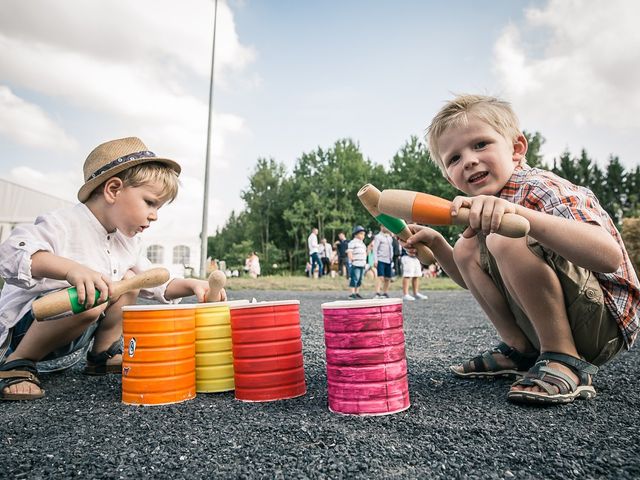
(293, 76)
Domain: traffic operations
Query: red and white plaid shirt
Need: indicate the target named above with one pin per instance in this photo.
(546, 192)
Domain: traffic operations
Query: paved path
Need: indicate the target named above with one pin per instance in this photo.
(454, 428)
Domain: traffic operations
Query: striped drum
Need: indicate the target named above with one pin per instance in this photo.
(214, 357)
(366, 361)
(267, 351)
(158, 365)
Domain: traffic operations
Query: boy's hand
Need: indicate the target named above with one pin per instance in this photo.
(421, 234)
(200, 289)
(485, 213)
(86, 282)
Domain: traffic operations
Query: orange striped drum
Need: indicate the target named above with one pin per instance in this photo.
(159, 364)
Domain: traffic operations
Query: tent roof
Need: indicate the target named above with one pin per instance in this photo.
(19, 204)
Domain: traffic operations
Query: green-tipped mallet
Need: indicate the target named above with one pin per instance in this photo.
(369, 196)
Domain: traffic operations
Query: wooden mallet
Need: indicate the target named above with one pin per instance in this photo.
(217, 279)
(67, 300)
(431, 210)
(369, 197)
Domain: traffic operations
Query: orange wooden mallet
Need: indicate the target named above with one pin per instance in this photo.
(431, 210)
(369, 196)
(67, 300)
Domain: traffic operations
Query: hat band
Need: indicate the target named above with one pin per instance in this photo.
(120, 161)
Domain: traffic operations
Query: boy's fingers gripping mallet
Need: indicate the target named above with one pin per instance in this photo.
(431, 210)
(67, 300)
(217, 279)
(369, 196)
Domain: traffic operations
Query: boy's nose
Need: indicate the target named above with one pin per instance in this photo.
(469, 160)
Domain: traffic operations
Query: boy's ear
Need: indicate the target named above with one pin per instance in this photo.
(112, 188)
(520, 146)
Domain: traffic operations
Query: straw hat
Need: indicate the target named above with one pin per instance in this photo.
(112, 157)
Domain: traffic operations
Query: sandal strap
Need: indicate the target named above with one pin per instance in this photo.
(581, 367)
(102, 357)
(485, 362)
(19, 365)
(18, 371)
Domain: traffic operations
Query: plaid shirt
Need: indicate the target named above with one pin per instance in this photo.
(546, 192)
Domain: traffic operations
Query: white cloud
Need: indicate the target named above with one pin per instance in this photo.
(28, 124)
(573, 69)
(102, 70)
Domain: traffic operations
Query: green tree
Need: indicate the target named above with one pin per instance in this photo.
(614, 197)
(264, 204)
(412, 169)
(534, 157)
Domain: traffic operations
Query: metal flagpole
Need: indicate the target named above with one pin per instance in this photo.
(205, 205)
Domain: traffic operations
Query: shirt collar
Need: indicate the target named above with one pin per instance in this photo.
(93, 221)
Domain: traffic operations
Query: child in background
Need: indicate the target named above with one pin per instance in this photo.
(87, 246)
(357, 253)
(411, 273)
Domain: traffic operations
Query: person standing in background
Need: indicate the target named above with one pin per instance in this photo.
(312, 243)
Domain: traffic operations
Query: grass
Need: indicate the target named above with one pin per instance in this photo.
(305, 284)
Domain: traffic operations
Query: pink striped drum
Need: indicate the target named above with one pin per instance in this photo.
(366, 360)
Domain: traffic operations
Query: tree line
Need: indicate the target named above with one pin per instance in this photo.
(281, 208)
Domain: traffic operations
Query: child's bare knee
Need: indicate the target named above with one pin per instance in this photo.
(500, 247)
(466, 251)
(90, 316)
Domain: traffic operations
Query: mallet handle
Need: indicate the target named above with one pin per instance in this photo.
(217, 279)
(67, 300)
(431, 210)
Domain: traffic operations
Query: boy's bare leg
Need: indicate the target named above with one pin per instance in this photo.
(467, 257)
(405, 285)
(110, 329)
(44, 337)
(414, 284)
(544, 305)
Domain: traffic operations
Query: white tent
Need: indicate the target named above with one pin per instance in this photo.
(166, 247)
(20, 204)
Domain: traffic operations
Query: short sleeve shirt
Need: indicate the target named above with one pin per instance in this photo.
(544, 191)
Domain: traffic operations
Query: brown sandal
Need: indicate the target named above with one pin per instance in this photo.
(97, 362)
(485, 366)
(18, 371)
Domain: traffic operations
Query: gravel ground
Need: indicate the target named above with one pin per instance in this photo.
(454, 428)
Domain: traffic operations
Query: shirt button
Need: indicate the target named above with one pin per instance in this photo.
(108, 237)
(115, 271)
(21, 244)
(591, 293)
(108, 252)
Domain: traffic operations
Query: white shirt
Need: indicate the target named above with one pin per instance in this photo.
(326, 251)
(74, 233)
(358, 252)
(383, 250)
(312, 242)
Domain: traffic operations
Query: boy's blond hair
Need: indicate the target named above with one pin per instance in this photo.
(496, 113)
(146, 173)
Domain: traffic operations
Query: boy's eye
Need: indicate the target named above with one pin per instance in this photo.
(480, 145)
(151, 203)
(453, 159)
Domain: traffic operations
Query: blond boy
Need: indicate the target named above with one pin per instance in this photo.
(565, 299)
(88, 246)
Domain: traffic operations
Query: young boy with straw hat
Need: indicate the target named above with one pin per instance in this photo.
(88, 246)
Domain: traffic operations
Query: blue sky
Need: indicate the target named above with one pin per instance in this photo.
(293, 76)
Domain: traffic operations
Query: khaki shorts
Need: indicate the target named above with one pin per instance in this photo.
(595, 331)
